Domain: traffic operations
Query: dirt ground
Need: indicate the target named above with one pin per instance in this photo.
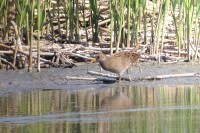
(54, 78)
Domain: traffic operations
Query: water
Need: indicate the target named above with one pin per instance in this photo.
(110, 110)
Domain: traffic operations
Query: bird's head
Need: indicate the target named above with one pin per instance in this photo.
(99, 57)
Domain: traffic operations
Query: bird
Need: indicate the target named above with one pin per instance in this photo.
(118, 63)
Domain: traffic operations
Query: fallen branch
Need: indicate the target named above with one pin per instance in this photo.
(7, 62)
(78, 55)
(105, 80)
(6, 52)
(108, 79)
(26, 53)
(80, 78)
(101, 74)
(159, 77)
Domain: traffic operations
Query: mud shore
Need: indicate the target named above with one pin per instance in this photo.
(54, 78)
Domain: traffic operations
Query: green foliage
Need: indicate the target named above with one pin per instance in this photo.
(3, 4)
(41, 10)
(22, 8)
(125, 14)
(94, 6)
(95, 10)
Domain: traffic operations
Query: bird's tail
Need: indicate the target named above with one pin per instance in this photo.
(137, 46)
(134, 55)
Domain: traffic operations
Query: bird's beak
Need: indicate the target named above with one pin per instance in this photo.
(93, 60)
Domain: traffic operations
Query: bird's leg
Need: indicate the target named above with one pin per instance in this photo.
(100, 70)
(128, 71)
(129, 77)
(120, 78)
(139, 68)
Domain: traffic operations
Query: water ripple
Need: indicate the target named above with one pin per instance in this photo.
(88, 117)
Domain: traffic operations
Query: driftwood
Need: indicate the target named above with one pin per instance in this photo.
(105, 80)
(78, 55)
(26, 53)
(101, 74)
(61, 57)
(80, 78)
(158, 77)
(7, 62)
(108, 77)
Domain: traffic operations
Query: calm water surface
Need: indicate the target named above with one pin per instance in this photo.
(108, 110)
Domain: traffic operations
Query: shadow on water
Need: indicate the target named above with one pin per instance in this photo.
(123, 109)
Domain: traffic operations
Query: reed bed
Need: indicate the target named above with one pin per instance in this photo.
(64, 32)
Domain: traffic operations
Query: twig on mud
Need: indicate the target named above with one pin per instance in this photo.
(105, 80)
(78, 55)
(158, 77)
(80, 78)
(101, 74)
(109, 78)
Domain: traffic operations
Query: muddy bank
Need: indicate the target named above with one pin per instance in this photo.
(54, 78)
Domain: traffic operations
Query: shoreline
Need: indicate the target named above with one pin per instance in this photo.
(13, 81)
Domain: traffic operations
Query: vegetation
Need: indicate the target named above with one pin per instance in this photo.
(122, 22)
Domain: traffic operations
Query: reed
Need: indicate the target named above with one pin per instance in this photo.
(135, 7)
(85, 27)
(58, 18)
(128, 21)
(120, 7)
(95, 19)
(41, 15)
(145, 21)
(158, 28)
(165, 12)
(197, 31)
(111, 29)
(31, 22)
(178, 23)
(152, 40)
(77, 36)
(4, 16)
(189, 23)
(66, 17)
(186, 26)
(71, 19)
(50, 19)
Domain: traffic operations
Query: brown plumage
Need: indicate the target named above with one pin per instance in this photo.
(119, 62)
